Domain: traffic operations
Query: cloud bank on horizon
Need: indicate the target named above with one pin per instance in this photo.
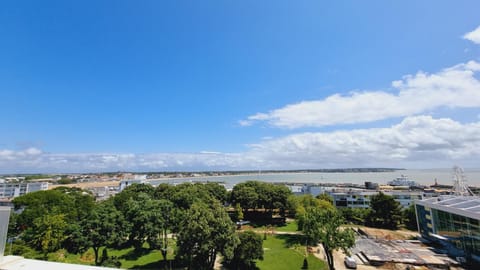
(414, 142)
(418, 140)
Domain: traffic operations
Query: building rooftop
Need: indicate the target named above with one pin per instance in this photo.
(464, 205)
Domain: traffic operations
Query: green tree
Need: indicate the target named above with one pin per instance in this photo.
(238, 214)
(73, 203)
(47, 233)
(41, 203)
(278, 198)
(245, 195)
(385, 212)
(323, 225)
(162, 219)
(206, 231)
(306, 202)
(410, 218)
(163, 191)
(140, 213)
(355, 215)
(186, 194)
(293, 202)
(132, 191)
(249, 250)
(259, 195)
(216, 190)
(83, 202)
(12, 225)
(105, 226)
(325, 197)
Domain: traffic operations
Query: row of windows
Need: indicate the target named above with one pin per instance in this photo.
(465, 230)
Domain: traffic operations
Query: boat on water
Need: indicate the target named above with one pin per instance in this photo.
(403, 181)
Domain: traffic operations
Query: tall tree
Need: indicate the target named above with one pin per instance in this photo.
(305, 203)
(73, 203)
(161, 221)
(141, 214)
(186, 194)
(410, 218)
(249, 250)
(323, 225)
(245, 195)
(386, 212)
(205, 231)
(105, 226)
(47, 233)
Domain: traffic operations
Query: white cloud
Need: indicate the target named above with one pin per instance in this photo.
(455, 87)
(419, 141)
(473, 36)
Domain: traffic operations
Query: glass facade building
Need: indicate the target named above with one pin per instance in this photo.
(453, 222)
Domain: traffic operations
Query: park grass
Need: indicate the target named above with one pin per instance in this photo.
(290, 226)
(128, 257)
(285, 252)
(281, 252)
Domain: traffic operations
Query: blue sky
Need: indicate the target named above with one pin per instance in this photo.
(200, 85)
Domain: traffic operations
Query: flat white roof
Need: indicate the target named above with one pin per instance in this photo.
(468, 206)
(20, 263)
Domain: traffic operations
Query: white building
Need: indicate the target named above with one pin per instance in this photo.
(12, 190)
(361, 199)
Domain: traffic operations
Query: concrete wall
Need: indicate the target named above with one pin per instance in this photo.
(4, 218)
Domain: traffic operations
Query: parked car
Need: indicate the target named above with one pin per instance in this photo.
(350, 262)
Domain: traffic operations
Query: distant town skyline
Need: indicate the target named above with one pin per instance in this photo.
(98, 86)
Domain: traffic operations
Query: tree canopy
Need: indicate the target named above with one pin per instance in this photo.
(249, 249)
(385, 212)
(207, 230)
(323, 225)
(259, 195)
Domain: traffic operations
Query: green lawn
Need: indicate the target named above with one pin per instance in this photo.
(129, 259)
(291, 226)
(281, 252)
(285, 252)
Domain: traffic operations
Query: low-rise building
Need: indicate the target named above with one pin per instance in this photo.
(356, 198)
(453, 222)
(12, 190)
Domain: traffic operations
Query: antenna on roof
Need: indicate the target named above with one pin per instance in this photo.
(460, 186)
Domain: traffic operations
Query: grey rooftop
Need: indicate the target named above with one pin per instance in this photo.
(463, 205)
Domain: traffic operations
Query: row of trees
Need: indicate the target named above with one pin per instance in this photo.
(254, 195)
(141, 216)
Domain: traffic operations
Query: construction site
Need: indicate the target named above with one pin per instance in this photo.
(384, 249)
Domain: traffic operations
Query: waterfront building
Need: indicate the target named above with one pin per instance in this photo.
(12, 190)
(361, 198)
(355, 197)
(453, 222)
